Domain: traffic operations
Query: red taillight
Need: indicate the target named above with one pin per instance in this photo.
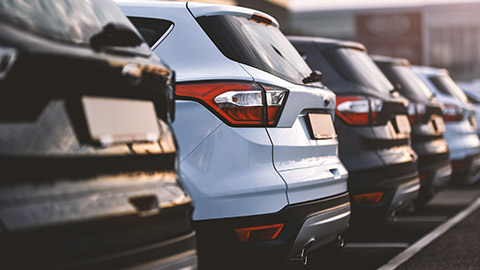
(368, 198)
(416, 112)
(239, 104)
(452, 113)
(259, 233)
(356, 110)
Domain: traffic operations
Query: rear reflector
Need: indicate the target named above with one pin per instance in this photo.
(458, 165)
(422, 176)
(368, 198)
(259, 233)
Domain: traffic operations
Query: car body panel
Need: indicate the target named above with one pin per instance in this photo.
(229, 187)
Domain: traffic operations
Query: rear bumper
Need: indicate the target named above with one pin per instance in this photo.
(311, 224)
(399, 183)
(467, 170)
(436, 172)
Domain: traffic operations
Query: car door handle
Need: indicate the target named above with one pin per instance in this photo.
(335, 172)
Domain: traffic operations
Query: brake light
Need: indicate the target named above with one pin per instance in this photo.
(259, 233)
(416, 112)
(238, 104)
(452, 113)
(261, 18)
(356, 110)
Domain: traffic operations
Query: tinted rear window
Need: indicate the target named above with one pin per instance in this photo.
(446, 85)
(357, 67)
(411, 86)
(256, 44)
(151, 29)
(72, 21)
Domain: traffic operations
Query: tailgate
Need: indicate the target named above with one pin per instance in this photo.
(304, 149)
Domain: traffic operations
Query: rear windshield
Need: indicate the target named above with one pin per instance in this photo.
(409, 84)
(446, 85)
(71, 21)
(255, 44)
(357, 67)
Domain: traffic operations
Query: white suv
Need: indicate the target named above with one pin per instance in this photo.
(258, 149)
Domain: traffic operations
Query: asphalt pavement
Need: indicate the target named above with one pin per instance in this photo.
(442, 235)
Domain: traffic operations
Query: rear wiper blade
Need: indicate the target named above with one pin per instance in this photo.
(315, 76)
(114, 34)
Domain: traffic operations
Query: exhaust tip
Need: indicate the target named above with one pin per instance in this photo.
(340, 241)
(301, 257)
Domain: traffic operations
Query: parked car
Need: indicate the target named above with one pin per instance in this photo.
(372, 126)
(258, 149)
(87, 155)
(460, 123)
(425, 116)
(474, 98)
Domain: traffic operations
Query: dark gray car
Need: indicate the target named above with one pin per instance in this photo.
(372, 126)
(88, 160)
(425, 116)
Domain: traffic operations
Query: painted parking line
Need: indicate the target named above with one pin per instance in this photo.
(427, 239)
(420, 218)
(376, 245)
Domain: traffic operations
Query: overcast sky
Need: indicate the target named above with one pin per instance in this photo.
(301, 5)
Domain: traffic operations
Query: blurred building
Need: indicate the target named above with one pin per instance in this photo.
(442, 35)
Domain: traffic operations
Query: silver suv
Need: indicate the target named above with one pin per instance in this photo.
(258, 149)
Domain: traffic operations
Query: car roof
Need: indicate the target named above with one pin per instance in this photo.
(431, 70)
(201, 9)
(328, 43)
(390, 60)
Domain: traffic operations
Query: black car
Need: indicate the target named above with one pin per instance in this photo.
(425, 116)
(372, 127)
(88, 160)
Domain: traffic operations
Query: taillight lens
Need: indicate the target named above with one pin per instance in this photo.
(238, 104)
(416, 112)
(452, 113)
(356, 110)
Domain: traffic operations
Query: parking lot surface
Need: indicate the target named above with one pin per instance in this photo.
(375, 246)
